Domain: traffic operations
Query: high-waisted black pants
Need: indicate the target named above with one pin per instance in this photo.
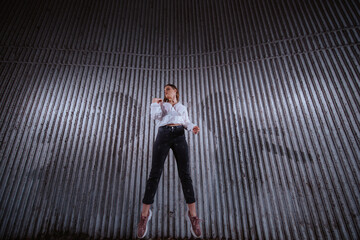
(170, 137)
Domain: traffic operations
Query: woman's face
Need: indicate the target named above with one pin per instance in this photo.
(169, 92)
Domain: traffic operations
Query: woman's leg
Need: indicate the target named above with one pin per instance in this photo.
(160, 151)
(145, 209)
(192, 209)
(181, 152)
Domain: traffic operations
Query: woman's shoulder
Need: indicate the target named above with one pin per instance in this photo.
(181, 108)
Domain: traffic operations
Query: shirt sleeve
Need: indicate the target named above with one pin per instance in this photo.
(188, 125)
(155, 112)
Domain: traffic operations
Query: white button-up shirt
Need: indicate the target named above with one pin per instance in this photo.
(164, 113)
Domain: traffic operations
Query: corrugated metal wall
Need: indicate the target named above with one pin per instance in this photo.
(273, 86)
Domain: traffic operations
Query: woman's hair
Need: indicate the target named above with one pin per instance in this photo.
(177, 92)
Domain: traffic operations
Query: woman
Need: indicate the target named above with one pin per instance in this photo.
(172, 118)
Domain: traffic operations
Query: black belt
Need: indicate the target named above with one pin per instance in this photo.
(167, 126)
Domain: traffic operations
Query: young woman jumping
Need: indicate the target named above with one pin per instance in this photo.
(172, 118)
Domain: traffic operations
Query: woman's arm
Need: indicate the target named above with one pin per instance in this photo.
(156, 111)
(188, 125)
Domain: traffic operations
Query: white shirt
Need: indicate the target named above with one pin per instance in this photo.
(164, 113)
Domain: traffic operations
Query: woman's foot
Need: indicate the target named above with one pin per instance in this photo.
(143, 225)
(195, 224)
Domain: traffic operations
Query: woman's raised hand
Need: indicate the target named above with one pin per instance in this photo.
(196, 129)
(157, 100)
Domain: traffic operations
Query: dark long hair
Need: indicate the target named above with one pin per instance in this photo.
(177, 92)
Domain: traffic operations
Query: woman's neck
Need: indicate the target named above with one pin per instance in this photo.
(172, 102)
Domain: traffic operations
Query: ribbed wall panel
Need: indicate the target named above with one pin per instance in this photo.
(273, 86)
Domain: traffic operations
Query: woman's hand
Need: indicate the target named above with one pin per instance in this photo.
(157, 100)
(196, 129)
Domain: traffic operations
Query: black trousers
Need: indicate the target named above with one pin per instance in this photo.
(170, 137)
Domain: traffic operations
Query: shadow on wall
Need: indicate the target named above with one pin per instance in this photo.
(262, 134)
